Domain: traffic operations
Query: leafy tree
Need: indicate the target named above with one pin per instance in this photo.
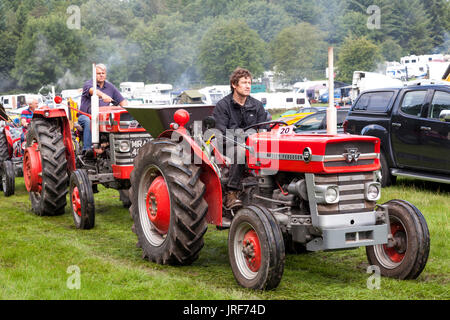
(391, 50)
(411, 28)
(8, 50)
(304, 10)
(298, 52)
(439, 10)
(46, 51)
(226, 46)
(117, 23)
(265, 18)
(356, 54)
(164, 49)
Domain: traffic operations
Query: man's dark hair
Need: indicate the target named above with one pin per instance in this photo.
(237, 74)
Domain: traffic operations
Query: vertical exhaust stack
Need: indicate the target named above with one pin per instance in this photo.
(331, 111)
(94, 108)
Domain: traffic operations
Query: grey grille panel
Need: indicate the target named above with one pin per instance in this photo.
(126, 158)
(339, 148)
(351, 191)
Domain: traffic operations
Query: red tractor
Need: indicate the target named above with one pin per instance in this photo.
(54, 164)
(300, 193)
(11, 153)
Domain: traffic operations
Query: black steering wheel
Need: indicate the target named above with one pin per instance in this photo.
(273, 123)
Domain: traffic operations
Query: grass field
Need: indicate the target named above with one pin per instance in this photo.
(36, 254)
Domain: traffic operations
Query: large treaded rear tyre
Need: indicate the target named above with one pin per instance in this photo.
(51, 200)
(408, 257)
(167, 204)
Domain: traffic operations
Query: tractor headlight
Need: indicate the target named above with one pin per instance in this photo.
(373, 191)
(124, 146)
(327, 194)
(332, 195)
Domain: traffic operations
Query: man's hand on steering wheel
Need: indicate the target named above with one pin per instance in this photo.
(273, 124)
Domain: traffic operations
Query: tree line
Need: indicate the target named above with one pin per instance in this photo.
(185, 42)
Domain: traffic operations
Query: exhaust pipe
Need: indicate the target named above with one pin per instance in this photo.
(331, 111)
(94, 109)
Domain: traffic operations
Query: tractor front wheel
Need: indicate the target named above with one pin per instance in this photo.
(407, 255)
(125, 197)
(7, 178)
(82, 199)
(167, 204)
(256, 249)
(4, 153)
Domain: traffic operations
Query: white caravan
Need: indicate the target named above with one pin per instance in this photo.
(363, 80)
(282, 100)
(212, 95)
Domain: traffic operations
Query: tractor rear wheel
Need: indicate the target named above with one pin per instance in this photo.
(256, 249)
(407, 258)
(7, 178)
(49, 198)
(82, 199)
(167, 204)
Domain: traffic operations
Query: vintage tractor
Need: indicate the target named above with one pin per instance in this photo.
(54, 163)
(11, 153)
(299, 193)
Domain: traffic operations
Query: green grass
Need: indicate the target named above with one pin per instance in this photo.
(35, 253)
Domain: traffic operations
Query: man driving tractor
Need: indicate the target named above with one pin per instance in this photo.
(237, 111)
(107, 93)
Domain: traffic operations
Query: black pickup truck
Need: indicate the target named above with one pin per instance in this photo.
(413, 124)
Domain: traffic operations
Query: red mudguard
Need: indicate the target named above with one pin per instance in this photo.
(213, 193)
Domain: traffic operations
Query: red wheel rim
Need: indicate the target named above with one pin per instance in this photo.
(32, 169)
(252, 250)
(158, 205)
(397, 252)
(76, 202)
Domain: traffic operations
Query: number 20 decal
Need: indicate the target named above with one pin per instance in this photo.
(286, 130)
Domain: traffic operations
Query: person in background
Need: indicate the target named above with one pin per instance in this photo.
(107, 93)
(27, 114)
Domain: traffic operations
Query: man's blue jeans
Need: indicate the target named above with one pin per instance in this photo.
(85, 123)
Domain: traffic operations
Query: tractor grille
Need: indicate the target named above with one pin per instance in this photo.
(135, 142)
(351, 193)
(336, 154)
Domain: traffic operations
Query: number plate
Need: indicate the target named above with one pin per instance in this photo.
(136, 144)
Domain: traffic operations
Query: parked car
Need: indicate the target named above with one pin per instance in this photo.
(413, 124)
(292, 116)
(317, 122)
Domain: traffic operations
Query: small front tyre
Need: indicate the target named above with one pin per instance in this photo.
(82, 199)
(256, 249)
(7, 178)
(408, 255)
